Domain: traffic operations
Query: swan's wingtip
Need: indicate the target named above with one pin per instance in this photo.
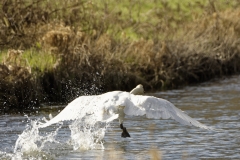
(208, 128)
(214, 129)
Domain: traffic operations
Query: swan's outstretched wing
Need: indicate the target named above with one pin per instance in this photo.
(91, 107)
(158, 108)
(105, 108)
(71, 111)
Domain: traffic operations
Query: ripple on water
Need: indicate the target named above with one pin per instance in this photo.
(214, 104)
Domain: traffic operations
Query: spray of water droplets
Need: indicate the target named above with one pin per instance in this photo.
(84, 134)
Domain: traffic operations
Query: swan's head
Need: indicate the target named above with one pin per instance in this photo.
(140, 86)
(138, 90)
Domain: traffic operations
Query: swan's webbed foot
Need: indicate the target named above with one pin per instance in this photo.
(125, 132)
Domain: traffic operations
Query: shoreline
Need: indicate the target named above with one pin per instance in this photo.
(55, 60)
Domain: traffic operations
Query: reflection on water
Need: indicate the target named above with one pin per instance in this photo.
(214, 103)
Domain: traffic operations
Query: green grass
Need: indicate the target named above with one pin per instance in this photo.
(39, 60)
(3, 53)
(124, 19)
(152, 19)
(161, 44)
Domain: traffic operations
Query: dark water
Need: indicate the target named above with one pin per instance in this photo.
(215, 103)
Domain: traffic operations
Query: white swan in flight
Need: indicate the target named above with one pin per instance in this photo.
(115, 105)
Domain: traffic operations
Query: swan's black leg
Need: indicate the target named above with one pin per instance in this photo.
(125, 132)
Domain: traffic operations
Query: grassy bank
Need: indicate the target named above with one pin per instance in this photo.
(54, 51)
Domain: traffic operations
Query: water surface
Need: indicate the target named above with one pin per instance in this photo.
(215, 103)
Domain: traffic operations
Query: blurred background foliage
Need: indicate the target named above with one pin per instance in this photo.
(54, 51)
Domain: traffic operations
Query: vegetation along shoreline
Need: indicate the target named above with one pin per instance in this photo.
(54, 51)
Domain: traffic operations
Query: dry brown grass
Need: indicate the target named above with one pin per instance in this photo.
(95, 56)
(209, 47)
(201, 54)
(17, 89)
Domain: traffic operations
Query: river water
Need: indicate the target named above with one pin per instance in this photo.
(215, 103)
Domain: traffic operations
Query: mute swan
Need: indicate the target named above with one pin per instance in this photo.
(115, 105)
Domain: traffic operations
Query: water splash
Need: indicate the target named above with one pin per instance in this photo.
(31, 142)
(85, 134)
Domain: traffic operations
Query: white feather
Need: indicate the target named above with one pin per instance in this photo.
(106, 107)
